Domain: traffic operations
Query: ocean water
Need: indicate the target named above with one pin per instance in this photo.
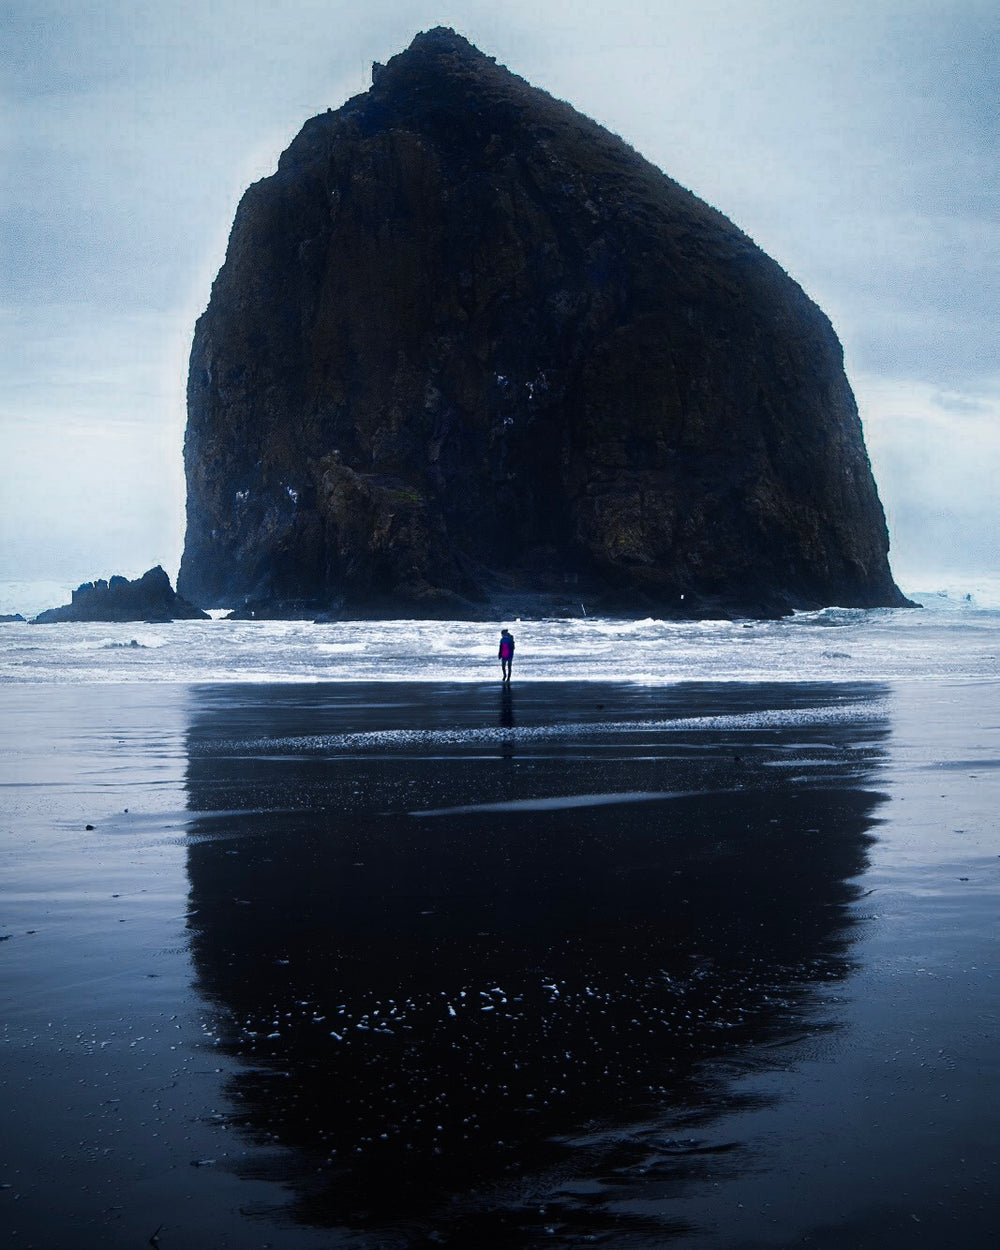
(953, 635)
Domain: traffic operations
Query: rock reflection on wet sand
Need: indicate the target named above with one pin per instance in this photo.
(522, 1020)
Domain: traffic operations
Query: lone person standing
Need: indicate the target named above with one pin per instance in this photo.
(506, 653)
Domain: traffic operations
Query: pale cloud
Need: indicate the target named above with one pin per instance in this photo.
(92, 414)
(936, 456)
(103, 500)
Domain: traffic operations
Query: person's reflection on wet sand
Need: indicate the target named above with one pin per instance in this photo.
(506, 707)
(465, 995)
(506, 721)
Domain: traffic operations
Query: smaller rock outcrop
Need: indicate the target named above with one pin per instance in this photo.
(11, 620)
(148, 598)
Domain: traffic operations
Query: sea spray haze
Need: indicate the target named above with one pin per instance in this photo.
(470, 354)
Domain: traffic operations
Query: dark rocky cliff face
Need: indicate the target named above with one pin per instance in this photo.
(469, 353)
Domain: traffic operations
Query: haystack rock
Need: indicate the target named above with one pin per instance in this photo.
(470, 354)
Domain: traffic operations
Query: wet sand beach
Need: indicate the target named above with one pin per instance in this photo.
(416, 964)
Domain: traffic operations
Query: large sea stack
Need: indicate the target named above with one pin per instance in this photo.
(470, 354)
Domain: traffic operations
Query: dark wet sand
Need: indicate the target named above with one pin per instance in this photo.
(415, 965)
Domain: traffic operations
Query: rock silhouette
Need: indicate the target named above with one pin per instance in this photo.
(470, 354)
(147, 598)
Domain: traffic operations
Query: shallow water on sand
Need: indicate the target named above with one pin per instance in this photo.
(421, 964)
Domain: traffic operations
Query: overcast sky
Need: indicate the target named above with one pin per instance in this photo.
(856, 142)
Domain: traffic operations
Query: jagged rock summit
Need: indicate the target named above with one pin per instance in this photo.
(147, 598)
(470, 354)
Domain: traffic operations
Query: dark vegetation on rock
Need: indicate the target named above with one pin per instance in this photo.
(148, 598)
(470, 354)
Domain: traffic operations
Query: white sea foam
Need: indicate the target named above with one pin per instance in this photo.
(423, 740)
(972, 594)
(953, 636)
(558, 802)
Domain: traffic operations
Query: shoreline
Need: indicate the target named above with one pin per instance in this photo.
(841, 646)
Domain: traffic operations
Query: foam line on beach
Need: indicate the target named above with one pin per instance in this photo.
(559, 802)
(779, 718)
